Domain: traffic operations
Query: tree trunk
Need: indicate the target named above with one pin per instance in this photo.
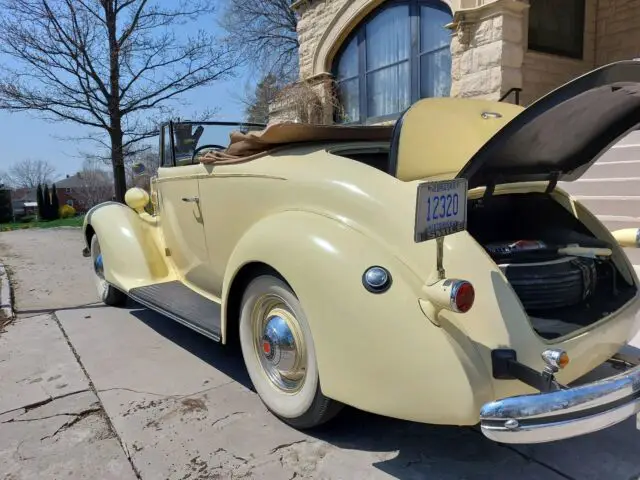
(115, 131)
(117, 161)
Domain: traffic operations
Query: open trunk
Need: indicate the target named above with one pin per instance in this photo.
(561, 292)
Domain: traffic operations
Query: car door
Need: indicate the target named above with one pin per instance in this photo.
(181, 216)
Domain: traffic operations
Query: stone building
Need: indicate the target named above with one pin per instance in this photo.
(365, 61)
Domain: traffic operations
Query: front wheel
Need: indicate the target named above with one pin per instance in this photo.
(107, 293)
(280, 356)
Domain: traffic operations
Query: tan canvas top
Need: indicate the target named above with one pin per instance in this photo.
(244, 146)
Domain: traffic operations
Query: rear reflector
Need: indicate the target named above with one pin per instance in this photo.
(462, 296)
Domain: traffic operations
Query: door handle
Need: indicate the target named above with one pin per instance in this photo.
(190, 199)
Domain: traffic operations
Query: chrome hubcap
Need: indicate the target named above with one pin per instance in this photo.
(279, 344)
(98, 266)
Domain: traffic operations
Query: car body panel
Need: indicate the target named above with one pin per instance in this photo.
(132, 245)
(438, 136)
(364, 341)
(320, 220)
(183, 223)
(563, 133)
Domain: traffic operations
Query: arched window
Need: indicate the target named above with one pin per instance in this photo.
(398, 55)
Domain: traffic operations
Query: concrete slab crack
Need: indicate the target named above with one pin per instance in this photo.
(70, 423)
(285, 445)
(93, 388)
(164, 395)
(37, 419)
(226, 417)
(234, 456)
(40, 403)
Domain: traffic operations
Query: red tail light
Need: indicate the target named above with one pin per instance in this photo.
(462, 296)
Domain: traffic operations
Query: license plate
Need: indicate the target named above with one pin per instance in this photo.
(441, 209)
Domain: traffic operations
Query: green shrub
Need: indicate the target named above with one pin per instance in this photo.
(27, 219)
(67, 211)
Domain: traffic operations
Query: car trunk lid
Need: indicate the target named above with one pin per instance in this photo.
(556, 138)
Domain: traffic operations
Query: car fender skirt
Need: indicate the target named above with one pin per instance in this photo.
(131, 254)
(375, 351)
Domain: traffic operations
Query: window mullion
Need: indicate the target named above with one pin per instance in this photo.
(362, 70)
(414, 64)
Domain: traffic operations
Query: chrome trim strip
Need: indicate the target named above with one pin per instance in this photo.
(546, 417)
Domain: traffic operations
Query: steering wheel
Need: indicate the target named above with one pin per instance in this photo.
(202, 147)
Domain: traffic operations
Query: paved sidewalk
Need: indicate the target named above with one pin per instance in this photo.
(95, 392)
(51, 424)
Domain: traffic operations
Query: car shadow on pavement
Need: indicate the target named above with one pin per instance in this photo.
(408, 450)
(226, 359)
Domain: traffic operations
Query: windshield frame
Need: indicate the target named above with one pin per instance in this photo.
(242, 126)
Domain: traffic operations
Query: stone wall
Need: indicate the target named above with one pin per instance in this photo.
(315, 17)
(487, 50)
(489, 45)
(543, 72)
(617, 30)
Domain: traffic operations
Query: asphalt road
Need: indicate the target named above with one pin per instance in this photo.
(97, 392)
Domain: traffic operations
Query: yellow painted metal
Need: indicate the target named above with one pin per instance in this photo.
(320, 220)
(628, 237)
(440, 135)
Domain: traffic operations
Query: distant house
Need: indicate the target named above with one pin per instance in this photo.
(24, 201)
(85, 189)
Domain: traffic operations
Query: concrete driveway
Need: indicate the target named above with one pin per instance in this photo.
(88, 391)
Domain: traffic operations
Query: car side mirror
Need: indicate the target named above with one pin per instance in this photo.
(627, 237)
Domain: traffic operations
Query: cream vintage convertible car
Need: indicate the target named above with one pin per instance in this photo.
(432, 271)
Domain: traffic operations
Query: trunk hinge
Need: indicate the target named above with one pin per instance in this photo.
(491, 187)
(553, 182)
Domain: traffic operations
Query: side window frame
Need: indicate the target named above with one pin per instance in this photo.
(167, 129)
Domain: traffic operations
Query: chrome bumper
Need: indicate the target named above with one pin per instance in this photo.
(545, 417)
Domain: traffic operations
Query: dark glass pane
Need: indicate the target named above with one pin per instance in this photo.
(348, 61)
(435, 73)
(167, 160)
(349, 96)
(388, 90)
(433, 34)
(557, 30)
(388, 37)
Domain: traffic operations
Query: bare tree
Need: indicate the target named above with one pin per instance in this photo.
(28, 174)
(257, 104)
(94, 184)
(106, 64)
(264, 34)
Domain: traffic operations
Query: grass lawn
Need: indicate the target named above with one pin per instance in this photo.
(62, 222)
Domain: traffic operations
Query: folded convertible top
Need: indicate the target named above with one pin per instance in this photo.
(250, 144)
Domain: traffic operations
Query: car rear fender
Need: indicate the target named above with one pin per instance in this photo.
(378, 352)
(129, 243)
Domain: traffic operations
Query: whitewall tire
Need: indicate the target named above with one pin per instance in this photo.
(107, 293)
(279, 353)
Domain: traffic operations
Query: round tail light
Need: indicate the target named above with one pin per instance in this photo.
(462, 296)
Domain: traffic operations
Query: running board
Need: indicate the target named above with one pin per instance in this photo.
(178, 302)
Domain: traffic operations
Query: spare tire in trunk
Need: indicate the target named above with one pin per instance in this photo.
(557, 283)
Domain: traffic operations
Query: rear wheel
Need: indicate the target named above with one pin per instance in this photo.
(107, 293)
(280, 356)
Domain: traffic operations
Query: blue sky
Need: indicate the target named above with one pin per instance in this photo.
(24, 135)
